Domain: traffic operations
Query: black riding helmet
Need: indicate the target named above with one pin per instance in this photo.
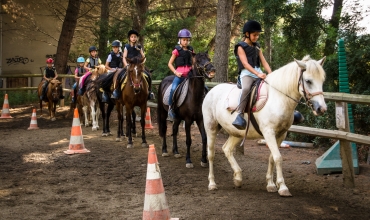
(252, 26)
(93, 48)
(116, 43)
(132, 32)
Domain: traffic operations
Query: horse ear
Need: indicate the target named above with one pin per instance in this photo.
(143, 60)
(301, 64)
(321, 62)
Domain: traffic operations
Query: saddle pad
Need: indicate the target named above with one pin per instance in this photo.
(232, 99)
(183, 94)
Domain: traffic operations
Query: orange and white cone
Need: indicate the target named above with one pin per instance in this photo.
(148, 120)
(155, 203)
(76, 143)
(33, 124)
(5, 112)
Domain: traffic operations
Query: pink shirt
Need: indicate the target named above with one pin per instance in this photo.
(182, 69)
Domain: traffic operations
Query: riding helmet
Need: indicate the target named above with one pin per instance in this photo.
(92, 48)
(252, 26)
(49, 60)
(184, 33)
(80, 60)
(132, 32)
(116, 43)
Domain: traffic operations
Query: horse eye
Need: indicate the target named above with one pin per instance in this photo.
(308, 82)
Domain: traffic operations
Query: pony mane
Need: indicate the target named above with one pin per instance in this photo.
(285, 79)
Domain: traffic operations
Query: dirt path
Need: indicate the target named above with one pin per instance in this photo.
(39, 181)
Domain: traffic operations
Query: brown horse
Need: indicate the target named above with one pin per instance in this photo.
(135, 93)
(51, 97)
(190, 110)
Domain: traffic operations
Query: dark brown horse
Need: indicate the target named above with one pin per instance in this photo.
(135, 93)
(51, 97)
(105, 81)
(190, 110)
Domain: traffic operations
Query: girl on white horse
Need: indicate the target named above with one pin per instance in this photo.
(249, 57)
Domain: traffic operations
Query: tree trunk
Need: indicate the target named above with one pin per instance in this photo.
(66, 35)
(223, 28)
(332, 34)
(139, 18)
(103, 35)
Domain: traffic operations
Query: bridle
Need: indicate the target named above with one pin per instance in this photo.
(202, 70)
(306, 94)
(136, 85)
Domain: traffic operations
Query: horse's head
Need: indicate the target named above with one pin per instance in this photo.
(135, 72)
(55, 90)
(312, 77)
(203, 64)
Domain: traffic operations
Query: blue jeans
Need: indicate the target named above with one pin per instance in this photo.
(175, 83)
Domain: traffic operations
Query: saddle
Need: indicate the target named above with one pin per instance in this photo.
(256, 99)
(179, 95)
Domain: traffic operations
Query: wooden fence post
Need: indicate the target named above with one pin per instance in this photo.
(341, 111)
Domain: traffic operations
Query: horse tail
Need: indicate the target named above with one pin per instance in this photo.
(161, 111)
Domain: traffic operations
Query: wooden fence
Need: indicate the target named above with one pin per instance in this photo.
(343, 134)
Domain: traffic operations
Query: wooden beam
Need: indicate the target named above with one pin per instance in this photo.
(333, 134)
(345, 97)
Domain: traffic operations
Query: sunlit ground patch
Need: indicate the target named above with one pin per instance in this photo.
(37, 158)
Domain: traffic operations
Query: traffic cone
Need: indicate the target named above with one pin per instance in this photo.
(5, 112)
(155, 203)
(76, 143)
(148, 120)
(33, 124)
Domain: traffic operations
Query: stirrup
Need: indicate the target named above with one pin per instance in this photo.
(151, 96)
(171, 115)
(104, 97)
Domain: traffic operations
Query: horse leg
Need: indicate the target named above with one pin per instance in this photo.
(142, 122)
(162, 115)
(128, 126)
(273, 143)
(104, 116)
(271, 187)
(84, 109)
(98, 111)
(120, 117)
(93, 115)
(211, 136)
(188, 123)
(133, 128)
(228, 149)
(200, 124)
(40, 108)
(109, 111)
(53, 109)
(175, 130)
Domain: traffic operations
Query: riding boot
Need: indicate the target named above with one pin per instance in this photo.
(298, 117)
(150, 92)
(171, 114)
(43, 90)
(104, 97)
(73, 95)
(81, 91)
(240, 123)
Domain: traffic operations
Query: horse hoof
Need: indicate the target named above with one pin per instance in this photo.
(271, 189)
(284, 193)
(118, 139)
(189, 165)
(53, 119)
(145, 145)
(94, 129)
(237, 183)
(203, 164)
(177, 155)
(104, 135)
(165, 155)
(130, 146)
(212, 187)
(110, 134)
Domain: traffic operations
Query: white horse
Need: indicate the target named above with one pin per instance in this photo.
(287, 86)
